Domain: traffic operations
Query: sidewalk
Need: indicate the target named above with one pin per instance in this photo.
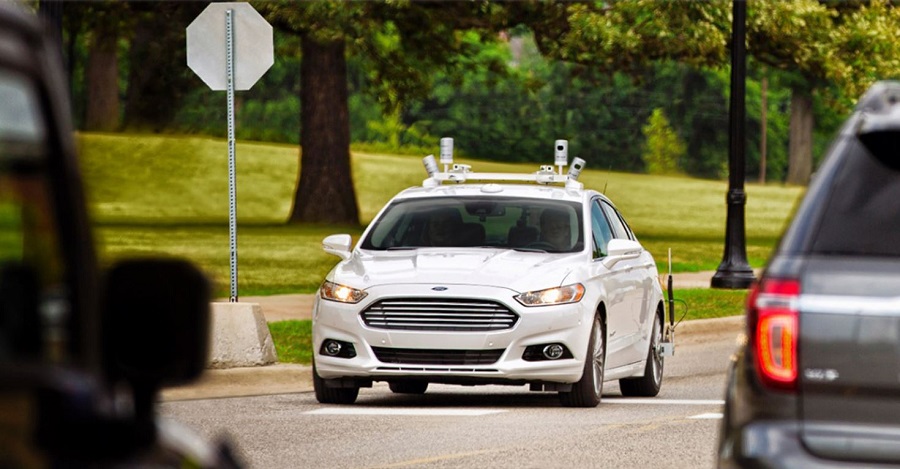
(286, 378)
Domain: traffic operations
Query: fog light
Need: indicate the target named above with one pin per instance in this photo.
(337, 348)
(544, 352)
(553, 351)
(332, 347)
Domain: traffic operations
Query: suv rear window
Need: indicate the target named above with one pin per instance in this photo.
(862, 212)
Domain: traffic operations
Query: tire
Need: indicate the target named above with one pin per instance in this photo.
(329, 395)
(408, 387)
(649, 384)
(589, 389)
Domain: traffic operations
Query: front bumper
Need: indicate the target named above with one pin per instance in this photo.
(564, 324)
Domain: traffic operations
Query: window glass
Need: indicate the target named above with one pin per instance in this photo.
(501, 222)
(600, 230)
(20, 114)
(860, 211)
(31, 269)
(618, 227)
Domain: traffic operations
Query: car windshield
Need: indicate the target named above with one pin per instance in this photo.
(505, 223)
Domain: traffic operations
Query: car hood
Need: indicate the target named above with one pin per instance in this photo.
(519, 271)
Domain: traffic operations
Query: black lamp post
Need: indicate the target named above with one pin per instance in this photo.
(734, 271)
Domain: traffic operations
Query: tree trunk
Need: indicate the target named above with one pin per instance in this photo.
(800, 164)
(102, 76)
(325, 192)
(763, 128)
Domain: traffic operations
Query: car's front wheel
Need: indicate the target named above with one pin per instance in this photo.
(329, 395)
(408, 387)
(649, 384)
(588, 390)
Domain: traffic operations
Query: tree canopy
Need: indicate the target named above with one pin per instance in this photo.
(501, 77)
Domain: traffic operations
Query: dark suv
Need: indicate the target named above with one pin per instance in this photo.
(818, 382)
(83, 351)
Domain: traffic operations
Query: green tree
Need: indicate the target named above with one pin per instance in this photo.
(158, 78)
(102, 71)
(846, 45)
(403, 43)
(662, 148)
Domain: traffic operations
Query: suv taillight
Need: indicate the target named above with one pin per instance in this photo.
(773, 317)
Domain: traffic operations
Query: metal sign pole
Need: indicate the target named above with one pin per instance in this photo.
(232, 195)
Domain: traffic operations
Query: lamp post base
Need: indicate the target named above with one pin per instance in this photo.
(733, 278)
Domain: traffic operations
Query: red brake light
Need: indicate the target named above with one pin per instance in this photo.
(772, 305)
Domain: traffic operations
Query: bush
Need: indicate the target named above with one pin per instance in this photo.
(662, 148)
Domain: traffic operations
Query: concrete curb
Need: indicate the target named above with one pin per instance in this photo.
(240, 336)
(281, 378)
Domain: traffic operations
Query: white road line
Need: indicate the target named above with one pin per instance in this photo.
(663, 401)
(710, 416)
(427, 412)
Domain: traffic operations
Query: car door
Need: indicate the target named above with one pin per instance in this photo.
(637, 290)
(618, 285)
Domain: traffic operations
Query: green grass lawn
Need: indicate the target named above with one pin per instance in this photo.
(293, 341)
(168, 195)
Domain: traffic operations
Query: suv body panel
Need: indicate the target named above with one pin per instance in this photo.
(843, 246)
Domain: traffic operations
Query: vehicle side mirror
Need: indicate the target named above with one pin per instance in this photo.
(620, 250)
(156, 325)
(338, 244)
(879, 125)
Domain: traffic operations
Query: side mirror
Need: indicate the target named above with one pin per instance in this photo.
(155, 326)
(879, 125)
(620, 250)
(338, 244)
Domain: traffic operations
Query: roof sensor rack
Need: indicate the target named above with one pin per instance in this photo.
(460, 173)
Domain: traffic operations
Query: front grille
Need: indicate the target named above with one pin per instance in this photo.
(412, 356)
(450, 314)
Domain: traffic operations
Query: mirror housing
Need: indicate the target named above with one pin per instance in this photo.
(338, 245)
(155, 324)
(878, 127)
(620, 250)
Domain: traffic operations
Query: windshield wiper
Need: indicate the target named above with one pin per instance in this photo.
(401, 248)
(529, 250)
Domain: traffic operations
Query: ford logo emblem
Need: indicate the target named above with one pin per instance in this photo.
(439, 288)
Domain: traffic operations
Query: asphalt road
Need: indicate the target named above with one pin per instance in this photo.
(282, 425)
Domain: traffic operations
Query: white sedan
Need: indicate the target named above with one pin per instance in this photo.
(479, 282)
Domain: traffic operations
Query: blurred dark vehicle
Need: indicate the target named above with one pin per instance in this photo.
(83, 353)
(818, 382)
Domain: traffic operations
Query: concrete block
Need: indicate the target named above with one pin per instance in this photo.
(240, 336)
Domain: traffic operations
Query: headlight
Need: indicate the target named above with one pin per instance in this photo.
(552, 296)
(337, 292)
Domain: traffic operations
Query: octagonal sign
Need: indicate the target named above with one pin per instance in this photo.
(254, 50)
